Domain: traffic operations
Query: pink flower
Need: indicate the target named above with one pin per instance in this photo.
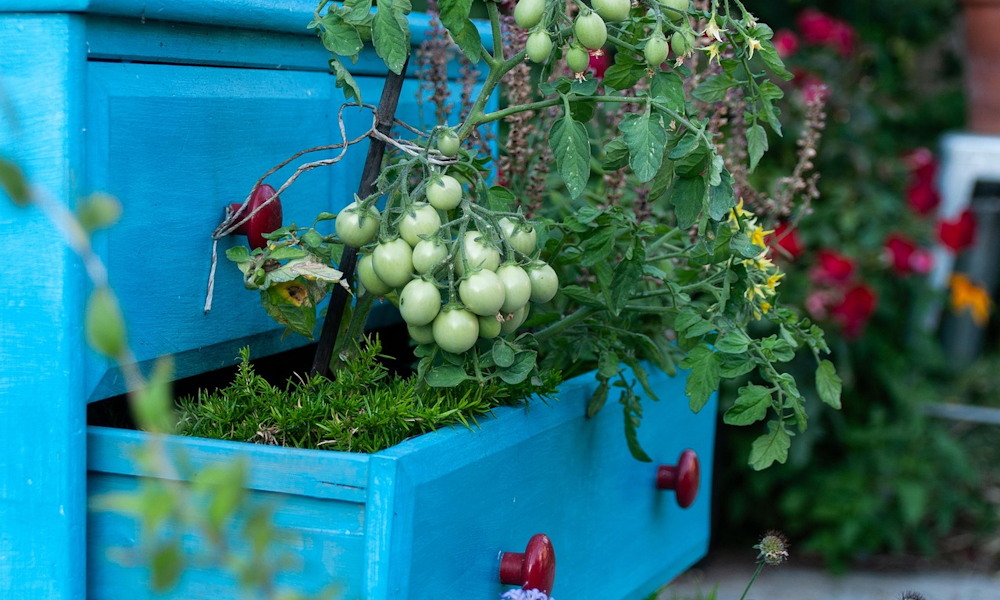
(820, 29)
(832, 268)
(785, 42)
(906, 257)
(959, 233)
(922, 164)
(811, 85)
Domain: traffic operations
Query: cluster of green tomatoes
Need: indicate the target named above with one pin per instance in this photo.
(460, 273)
(590, 31)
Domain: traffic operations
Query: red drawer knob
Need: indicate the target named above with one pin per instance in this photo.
(683, 478)
(534, 569)
(266, 220)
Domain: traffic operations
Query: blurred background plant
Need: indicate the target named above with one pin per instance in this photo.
(879, 476)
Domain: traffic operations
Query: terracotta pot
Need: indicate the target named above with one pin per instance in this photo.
(982, 75)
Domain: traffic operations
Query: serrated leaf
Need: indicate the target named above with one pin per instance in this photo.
(524, 363)
(615, 155)
(756, 144)
(828, 384)
(287, 252)
(734, 341)
(668, 89)
(581, 295)
(632, 411)
(714, 88)
(339, 36)
(771, 58)
(770, 448)
(704, 378)
(622, 76)
(687, 144)
(571, 147)
(645, 137)
(238, 254)
(688, 198)
(751, 406)
(598, 398)
(391, 35)
(345, 80)
(443, 376)
(454, 16)
(721, 198)
(625, 280)
(357, 11)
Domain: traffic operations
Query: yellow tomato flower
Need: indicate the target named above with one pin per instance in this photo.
(712, 29)
(753, 44)
(758, 235)
(713, 51)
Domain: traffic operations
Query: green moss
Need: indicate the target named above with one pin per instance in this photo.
(365, 409)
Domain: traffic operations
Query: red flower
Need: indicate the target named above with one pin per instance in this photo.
(907, 257)
(854, 310)
(922, 198)
(820, 29)
(959, 233)
(785, 42)
(599, 62)
(832, 268)
(785, 242)
(922, 164)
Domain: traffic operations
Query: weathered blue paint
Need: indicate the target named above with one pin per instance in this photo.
(151, 101)
(432, 515)
(41, 374)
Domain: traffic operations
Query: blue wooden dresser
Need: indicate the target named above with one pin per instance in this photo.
(177, 107)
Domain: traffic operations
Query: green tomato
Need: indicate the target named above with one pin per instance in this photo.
(421, 334)
(682, 43)
(544, 282)
(677, 8)
(528, 13)
(421, 219)
(444, 192)
(577, 59)
(448, 143)
(591, 31)
(539, 46)
(356, 228)
(515, 320)
(656, 50)
(516, 286)
(393, 262)
(477, 253)
(455, 329)
(482, 293)
(369, 280)
(613, 10)
(521, 237)
(419, 302)
(428, 254)
(489, 327)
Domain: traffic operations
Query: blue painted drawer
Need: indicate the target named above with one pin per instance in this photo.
(432, 515)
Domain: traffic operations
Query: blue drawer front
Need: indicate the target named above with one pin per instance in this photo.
(434, 513)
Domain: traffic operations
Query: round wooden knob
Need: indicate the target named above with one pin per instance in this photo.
(533, 569)
(683, 478)
(265, 221)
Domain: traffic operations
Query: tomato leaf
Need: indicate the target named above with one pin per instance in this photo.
(598, 398)
(339, 36)
(751, 406)
(445, 376)
(524, 364)
(632, 411)
(688, 198)
(345, 80)
(705, 375)
(503, 354)
(714, 88)
(668, 89)
(756, 144)
(770, 447)
(828, 384)
(626, 277)
(645, 137)
(571, 147)
(615, 155)
(733, 341)
(455, 18)
(721, 198)
(391, 34)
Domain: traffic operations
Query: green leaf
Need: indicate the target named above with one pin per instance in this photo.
(714, 88)
(688, 198)
(662, 181)
(357, 12)
(13, 183)
(166, 565)
(571, 147)
(501, 199)
(98, 211)
(154, 403)
(734, 341)
(687, 144)
(391, 35)
(338, 36)
(828, 384)
(721, 198)
(608, 364)
(238, 254)
(455, 18)
(627, 276)
(756, 144)
(345, 80)
(287, 253)
(645, 137)
(668, 89)
(625, 73)
(704, 378)
(632, 411)
(503, 354)
(104, 324)
(443, 376)
(770, 447)
(770, 56)
(524, 364)
(751, 406)
(598, 398)
(615, 155)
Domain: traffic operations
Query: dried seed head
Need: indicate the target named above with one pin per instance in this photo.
(773, 548)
